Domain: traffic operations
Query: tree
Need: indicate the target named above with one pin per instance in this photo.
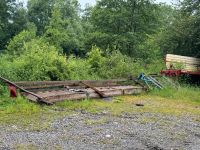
(122, 24)
(12, 20)
(159, 43)
(40, 12)
(65, 28)
(182, 36)
(191, 10)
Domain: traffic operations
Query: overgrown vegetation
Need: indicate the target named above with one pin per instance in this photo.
(56, 40)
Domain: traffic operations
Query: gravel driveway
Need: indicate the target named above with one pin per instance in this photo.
(104, 131)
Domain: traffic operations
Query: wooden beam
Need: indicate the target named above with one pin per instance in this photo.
(57, 96)
(69, 82)
(101, 94)
(39, 99)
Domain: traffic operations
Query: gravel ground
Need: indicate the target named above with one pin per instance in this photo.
(104, 131)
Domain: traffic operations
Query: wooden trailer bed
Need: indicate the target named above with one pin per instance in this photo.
(181, 65)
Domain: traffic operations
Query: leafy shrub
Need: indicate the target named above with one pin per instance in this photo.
(95, 59)
(149, 50)
(154, 66)
(7, 67)
(39, 61)
(15, 46)
(118, 65)
(112, 65)
(80, 69)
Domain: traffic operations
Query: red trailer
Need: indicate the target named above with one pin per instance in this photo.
(181, 65)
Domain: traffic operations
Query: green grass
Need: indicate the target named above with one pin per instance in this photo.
(18, 105)
(25, 114)
(185, 93)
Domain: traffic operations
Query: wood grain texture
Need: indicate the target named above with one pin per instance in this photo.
(182, 62)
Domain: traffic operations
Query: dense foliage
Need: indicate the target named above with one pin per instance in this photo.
(57, 40)
(123, 24)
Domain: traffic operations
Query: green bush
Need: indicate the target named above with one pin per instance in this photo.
(42, 61)
(39, 61)
(7, 67)
(80, 69)
(15, 46)
(113, 65)
(155, 66)
(117, 65)
(95, 59)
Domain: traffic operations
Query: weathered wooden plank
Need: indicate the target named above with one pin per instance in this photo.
(53, 91)
(48, 84)
(101, 94)
(187, 63)
(68, 82)
(182, 59)
(57, 96)
(183, 67)
(38, 98)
